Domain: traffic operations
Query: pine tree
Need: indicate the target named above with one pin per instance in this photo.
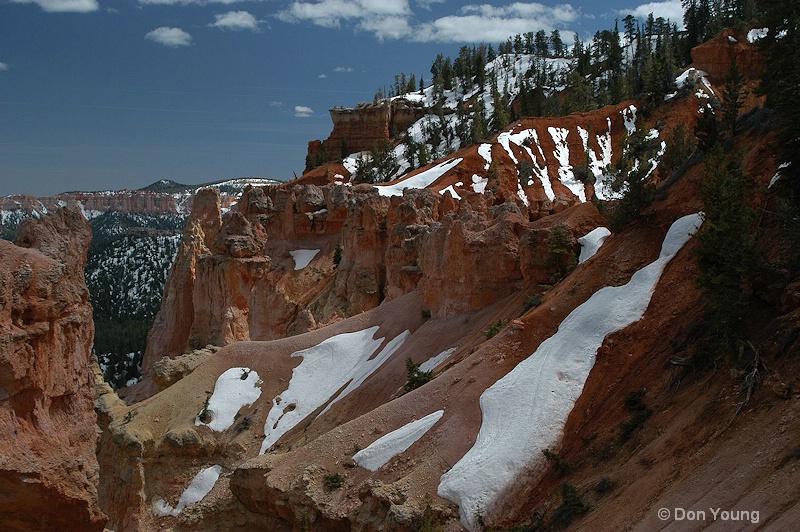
(707, 130)
(733, 97)
(725, 249)
(631, 178)
(500, 115)
(781, 48)
(557, 43)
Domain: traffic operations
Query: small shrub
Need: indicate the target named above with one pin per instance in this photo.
(572, 506)
(560, 465)
(533, 301)
(426, 314)
(416, 377)
(603, 486)
(429, 521)
(561, 255)
(634, 403)
(493, 329)
(337, 255)
(333, 481)
(244, 424)
(128, 417)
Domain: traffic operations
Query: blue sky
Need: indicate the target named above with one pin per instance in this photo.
(109, 94)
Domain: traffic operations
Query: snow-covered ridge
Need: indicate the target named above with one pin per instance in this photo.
(421, 180)
(525, 411)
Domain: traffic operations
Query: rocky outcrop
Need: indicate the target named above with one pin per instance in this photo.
(170, 331)
(48, 469)
(363, 128)
(716, 55)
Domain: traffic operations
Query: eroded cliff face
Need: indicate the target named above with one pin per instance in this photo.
(454, 272)
(235, 279)
(48, 469)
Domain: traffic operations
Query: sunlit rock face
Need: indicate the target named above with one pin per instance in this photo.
(48, 469)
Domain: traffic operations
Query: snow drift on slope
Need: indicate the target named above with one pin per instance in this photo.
(390, 445)
(340, 360)
(525, 411)
(198, 488)
(420, 180)
(235, 388)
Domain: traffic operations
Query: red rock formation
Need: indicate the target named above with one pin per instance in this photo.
(170, 331)
(363, 128)
(716, 55)
(48, 469)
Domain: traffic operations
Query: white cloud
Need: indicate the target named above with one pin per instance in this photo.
(393, 19)
(671, 9)
(387, 27)
(343, 69)
(63, 6)
(367, 14)
(495, 24)
(276, 103)
(302, 111)
(169, 36)
(187, 2)
(236, 20)
(322, 76)
(3, 66)
(426, 4)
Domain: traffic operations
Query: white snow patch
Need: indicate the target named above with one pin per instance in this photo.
(235, 389)
(302, 257)
(777, 175)
(504, 139)
(198, 488)
(351, 161)
(434, 362)
(525, 411)
(565, 174)
(629, 117)
(522, 196)
(451, 189)
(420, 180)
(485, 151)
(756, 34)
(732, 39)
(540, 171)
(367, 368)
(479, 183)
(390, 445)
(591, 242)
(340, 360)
(597, 165)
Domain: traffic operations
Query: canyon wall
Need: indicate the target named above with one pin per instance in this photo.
(48, 469)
